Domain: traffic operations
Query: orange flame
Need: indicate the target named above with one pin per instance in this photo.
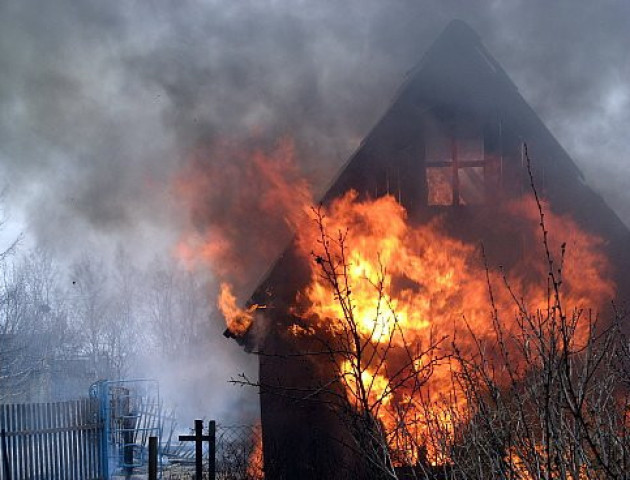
(237, 319)
(243, 205)
(255, 464)
(406, 283)
(419, 281)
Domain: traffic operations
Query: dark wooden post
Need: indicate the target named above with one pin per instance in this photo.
(455, 161)
(199, 449)
(153, 458)
(198, 438)
(5, 456)
(212, 451)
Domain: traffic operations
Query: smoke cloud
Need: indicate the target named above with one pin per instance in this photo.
(103, 103)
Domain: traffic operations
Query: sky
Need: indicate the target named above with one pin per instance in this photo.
(102, 103)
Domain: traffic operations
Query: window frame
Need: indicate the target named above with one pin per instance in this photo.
(454, 164)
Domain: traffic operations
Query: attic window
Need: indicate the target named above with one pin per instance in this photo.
(455, 165)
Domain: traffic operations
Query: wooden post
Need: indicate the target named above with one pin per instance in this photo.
(198, 438)
(153, 458)
(212, 451)
(455, 161)
(199, 449)
(5, 456)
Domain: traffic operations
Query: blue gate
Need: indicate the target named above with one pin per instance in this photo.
(131, 413)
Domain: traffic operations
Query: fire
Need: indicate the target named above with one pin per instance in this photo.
(406, 284)
(425, 274)
(237, 319)
(243, 204)
(255, 461)
(377, 385)
(431, 280)
(524, 470)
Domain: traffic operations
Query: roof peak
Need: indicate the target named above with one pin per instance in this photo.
(457, 36)
(459, 30)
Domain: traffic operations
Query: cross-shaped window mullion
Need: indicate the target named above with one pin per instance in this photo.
(456, 165)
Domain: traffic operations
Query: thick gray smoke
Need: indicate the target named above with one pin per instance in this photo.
(101, 103)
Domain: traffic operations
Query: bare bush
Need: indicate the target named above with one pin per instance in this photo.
(544, 395)
(548, 399)
(362, 362)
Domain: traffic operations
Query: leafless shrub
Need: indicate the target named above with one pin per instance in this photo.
(546, 398)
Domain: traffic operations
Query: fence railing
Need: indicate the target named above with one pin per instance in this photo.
(51, 441)
(64, 441)
(238, 455)
(239, 452)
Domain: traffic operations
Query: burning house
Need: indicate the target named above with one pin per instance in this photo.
(443, 172)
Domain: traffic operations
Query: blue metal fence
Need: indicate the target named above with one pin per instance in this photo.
(130, 412)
